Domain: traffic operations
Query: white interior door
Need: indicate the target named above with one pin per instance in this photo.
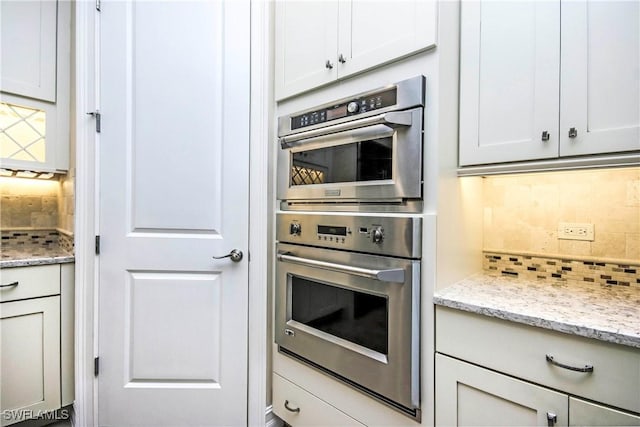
(174, 156)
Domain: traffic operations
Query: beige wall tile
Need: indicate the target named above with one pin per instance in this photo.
(522, 212)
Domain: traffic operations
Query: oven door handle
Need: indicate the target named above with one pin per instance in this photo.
(395, 275)
(391, 119)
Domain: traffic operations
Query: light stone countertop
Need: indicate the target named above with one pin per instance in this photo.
(27, 255)
(607, 313)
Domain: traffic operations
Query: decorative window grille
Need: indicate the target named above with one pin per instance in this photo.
(22, 133)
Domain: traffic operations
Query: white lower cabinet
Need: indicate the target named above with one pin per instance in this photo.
(492, 372)
(583, 413)
(467, 395)
(298, 407)
(30, 354)
(36, 341)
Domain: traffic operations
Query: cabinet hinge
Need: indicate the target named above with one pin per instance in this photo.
(98, 5)
(96, 114)
(96, 366)
(97, 245)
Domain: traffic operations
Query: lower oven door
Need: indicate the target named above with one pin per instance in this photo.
(353, 315)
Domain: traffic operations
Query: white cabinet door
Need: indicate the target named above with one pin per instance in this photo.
(585, 414)
(509, 81)
(467, 395)
(29, 358)
(306, 45)
(28, 48)
(372, 32)
(600, 94)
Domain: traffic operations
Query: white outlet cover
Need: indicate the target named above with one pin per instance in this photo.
(576, 231)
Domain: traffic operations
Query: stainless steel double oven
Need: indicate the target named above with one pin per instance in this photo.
(349, 241)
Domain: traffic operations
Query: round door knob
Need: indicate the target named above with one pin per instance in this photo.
(295, 229)
(353, 107)
(235, 255)
(377, 235)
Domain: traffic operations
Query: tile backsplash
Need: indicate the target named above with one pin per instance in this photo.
(522, 213)
(28, 203)
(37, 204)
(561, 270)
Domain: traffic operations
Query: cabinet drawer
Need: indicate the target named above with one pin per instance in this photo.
(29, 282)
(312, 410)
(521, 351)
(582, 413)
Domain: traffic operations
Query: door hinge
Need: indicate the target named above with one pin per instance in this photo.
(96, 114)
(97, 245)
(96, 366)
(98, 5)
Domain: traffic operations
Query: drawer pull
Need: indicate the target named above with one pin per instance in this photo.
(552, 419)
(10, 285)
(586, 368)
(290, 409)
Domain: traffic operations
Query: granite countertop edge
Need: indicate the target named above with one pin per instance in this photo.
(502, 310)
(580, 330)
(43, 260)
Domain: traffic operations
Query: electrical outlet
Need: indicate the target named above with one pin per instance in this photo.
(575, 231)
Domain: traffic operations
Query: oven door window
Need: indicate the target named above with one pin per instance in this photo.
(369, 160)
(357, 317)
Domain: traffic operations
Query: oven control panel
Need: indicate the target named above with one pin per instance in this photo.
(399, 236)
(353, 107)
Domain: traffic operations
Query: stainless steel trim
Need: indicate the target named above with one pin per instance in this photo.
(410, 93)
(402, 233)
(372, 354)
(339, 138)
(399, 118)
(373, 206)
(586, 368)
(395, 275)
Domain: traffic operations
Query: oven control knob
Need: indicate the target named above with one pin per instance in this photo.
(295, 229)
(377, 235)
(353, 107)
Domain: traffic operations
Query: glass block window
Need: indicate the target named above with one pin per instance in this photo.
(22, 133)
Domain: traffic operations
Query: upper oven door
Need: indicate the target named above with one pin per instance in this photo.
(378, 158)
(354, 314)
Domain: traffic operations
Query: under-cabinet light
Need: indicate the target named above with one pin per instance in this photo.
(26, 174)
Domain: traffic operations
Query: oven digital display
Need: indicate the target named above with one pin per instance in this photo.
(332, 231)
(336, 113)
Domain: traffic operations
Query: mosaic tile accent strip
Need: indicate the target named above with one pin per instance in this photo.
(66, 243)
(563, 270)
(39, 238)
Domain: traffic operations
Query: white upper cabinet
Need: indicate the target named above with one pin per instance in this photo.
(306, 44)
(600, 93)
(375, 32)
(28, 48)
(509, 80)
(542, 80)
(318, 42)
(34, 85)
